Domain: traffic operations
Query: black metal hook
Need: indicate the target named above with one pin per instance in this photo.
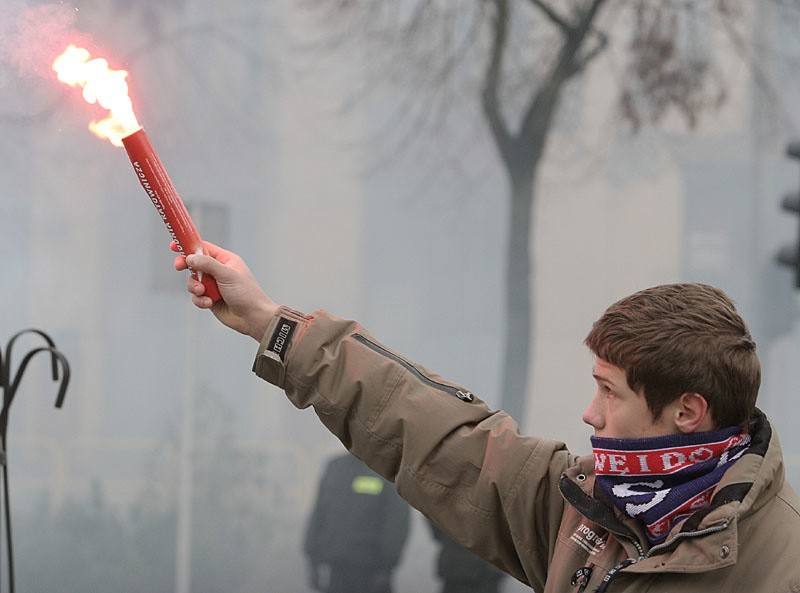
(6, 368)
(56, 356)
(9, 391)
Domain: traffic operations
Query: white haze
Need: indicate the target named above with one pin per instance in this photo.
(276, 152)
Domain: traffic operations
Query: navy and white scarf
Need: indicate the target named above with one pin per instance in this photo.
(661, 480)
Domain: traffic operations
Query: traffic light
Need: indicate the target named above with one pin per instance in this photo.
(789, 255)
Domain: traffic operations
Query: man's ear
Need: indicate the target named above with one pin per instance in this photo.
(692, 414)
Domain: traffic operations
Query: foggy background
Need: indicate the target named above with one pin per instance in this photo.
(268, 140)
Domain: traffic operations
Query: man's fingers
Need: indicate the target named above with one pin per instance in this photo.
(202, 302)
(194, 287)
(212, 249)
(208, 265)
(179, 263)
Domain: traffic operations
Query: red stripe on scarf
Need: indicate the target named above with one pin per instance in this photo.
(615, 462)
(658, 529)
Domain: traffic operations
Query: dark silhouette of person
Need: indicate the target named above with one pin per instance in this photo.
(357, 530)
(460, 570)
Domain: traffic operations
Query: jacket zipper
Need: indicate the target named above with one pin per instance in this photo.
(706, 531)
(612, 573)
(625, 563)
(459, 393)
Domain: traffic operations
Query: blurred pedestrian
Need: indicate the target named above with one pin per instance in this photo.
(460, 570)
(357, 530)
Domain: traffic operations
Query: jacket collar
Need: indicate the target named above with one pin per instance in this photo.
(747, 485)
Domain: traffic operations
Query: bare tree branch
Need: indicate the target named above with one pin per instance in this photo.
(584, 27)
(763, 82)
(602, 43)
(491, 102)
(542, 105)
(553, 16)
(664, 73)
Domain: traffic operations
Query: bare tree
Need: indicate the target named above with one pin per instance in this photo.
(516, 57)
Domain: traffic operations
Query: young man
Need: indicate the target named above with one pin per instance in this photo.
(685, 490)
(461, 571)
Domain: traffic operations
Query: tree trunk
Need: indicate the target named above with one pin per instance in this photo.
(520, 152)
(519, 314)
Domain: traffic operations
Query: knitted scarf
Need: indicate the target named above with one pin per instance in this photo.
(661, 480)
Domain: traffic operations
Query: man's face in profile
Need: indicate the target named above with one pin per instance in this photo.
(616, 411)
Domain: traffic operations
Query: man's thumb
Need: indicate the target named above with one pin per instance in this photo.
(207, 265)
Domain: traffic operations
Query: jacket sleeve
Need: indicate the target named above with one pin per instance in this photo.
(457, 461)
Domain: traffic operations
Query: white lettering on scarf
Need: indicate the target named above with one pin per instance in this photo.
(625, 490)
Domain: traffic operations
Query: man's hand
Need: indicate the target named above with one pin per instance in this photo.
(244, 306)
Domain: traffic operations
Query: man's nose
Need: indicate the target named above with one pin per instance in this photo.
(592, 415)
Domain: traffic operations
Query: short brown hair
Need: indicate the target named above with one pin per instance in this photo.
(682, 338)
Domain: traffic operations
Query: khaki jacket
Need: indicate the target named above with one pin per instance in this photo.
(524, 503)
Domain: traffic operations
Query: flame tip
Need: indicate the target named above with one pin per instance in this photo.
(101, 85)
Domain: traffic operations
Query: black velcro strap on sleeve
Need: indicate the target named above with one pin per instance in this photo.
(282, 337)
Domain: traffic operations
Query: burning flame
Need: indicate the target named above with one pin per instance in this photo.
(101, 85)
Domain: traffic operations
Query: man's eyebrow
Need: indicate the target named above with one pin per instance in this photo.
(599, 377)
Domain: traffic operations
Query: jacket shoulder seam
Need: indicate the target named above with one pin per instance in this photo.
(788, 503)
